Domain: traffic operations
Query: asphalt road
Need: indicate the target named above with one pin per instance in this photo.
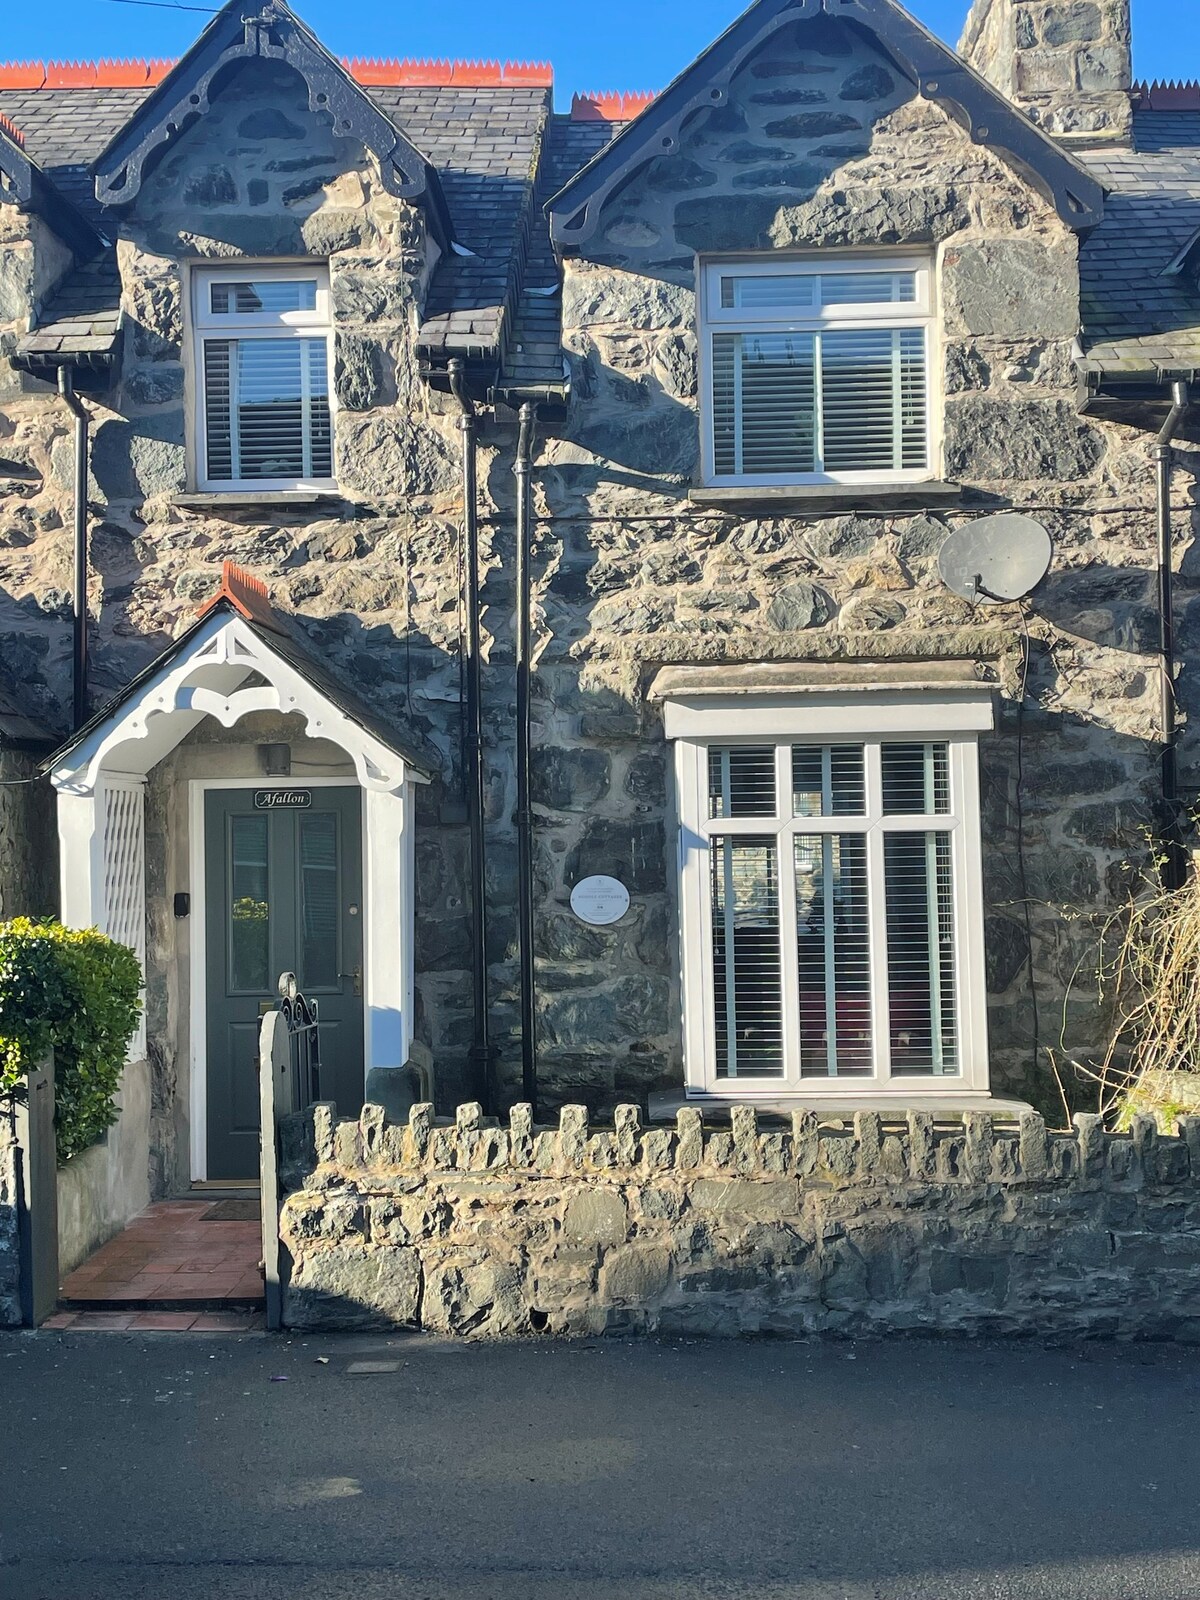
(177, 1467)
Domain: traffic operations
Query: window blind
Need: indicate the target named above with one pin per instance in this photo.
(266, 408)
(833, 941)
(920, 944)
(747, 978)
(794, 404)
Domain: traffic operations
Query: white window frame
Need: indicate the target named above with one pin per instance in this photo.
(715, 318)
(236, 327)
(868, 721)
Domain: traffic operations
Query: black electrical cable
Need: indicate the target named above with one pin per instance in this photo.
(163, 5)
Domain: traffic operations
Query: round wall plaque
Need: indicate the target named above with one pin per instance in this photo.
(600, 901)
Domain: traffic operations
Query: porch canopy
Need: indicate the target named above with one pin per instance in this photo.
(238, 657)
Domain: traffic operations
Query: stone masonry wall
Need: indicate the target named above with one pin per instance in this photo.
(485, 1230)
(1067, 64)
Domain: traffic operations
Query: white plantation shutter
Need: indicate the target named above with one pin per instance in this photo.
(764, 397)
(826, 378)
(833, 949)
(267, 408)
(920, 947)
(873, 400)
(747, 977)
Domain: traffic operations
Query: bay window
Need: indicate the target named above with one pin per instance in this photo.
(261, 359)
(817, 371)
(831, 893)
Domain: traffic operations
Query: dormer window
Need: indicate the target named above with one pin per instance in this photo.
(262, 338)
(816, 371)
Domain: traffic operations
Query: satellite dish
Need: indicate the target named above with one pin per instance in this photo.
(997, 558)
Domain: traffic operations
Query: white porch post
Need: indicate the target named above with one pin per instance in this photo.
(80, 859)
(388, 956)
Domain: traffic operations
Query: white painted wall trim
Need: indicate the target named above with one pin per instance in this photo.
(829, 714)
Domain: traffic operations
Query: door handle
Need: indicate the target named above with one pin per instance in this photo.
(355, 978)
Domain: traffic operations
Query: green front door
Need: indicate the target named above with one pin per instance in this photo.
(283, 893)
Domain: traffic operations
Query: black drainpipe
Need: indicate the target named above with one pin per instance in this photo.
(522, 468)
(1174, 869)
(482, 1060)
(79, 674)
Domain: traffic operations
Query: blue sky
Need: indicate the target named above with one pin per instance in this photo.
(640, 44)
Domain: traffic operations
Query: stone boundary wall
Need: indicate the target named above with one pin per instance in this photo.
(484, 1230)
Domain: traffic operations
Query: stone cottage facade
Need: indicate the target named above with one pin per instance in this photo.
(756, 349)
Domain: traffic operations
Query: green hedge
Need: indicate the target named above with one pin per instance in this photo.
(77, 991)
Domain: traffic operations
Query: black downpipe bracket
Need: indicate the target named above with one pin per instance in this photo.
(1175, 862)
(482, 1056)
(79, 673)
(522, 469)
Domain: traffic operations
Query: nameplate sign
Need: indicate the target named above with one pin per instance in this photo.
(282, 799)
(600, 901)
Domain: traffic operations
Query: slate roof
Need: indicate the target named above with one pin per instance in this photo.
(484, 142)
(82, 319)
(1138, 317)
(534, 357)
(486, 145)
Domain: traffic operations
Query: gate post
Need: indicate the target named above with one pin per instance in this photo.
(275, 1099)
(37, 1196)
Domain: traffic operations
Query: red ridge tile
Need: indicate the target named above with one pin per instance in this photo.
(70, 74)
(247, 594)
(1175, 95)
(611, 106)
(537, 73)
(22, 74)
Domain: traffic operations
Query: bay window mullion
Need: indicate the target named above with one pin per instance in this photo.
(793, 1064)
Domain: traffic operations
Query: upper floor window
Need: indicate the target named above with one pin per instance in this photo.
(262, 338)
(817, 371)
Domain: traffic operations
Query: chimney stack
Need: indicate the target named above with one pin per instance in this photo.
(1066, 63)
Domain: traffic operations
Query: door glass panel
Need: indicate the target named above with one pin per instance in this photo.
(250, 911)
(318, 901)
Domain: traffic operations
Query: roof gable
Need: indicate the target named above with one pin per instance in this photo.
(273, 33)
(938, 73)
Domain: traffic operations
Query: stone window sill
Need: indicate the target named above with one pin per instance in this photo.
(840, 497)
(248, 499)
